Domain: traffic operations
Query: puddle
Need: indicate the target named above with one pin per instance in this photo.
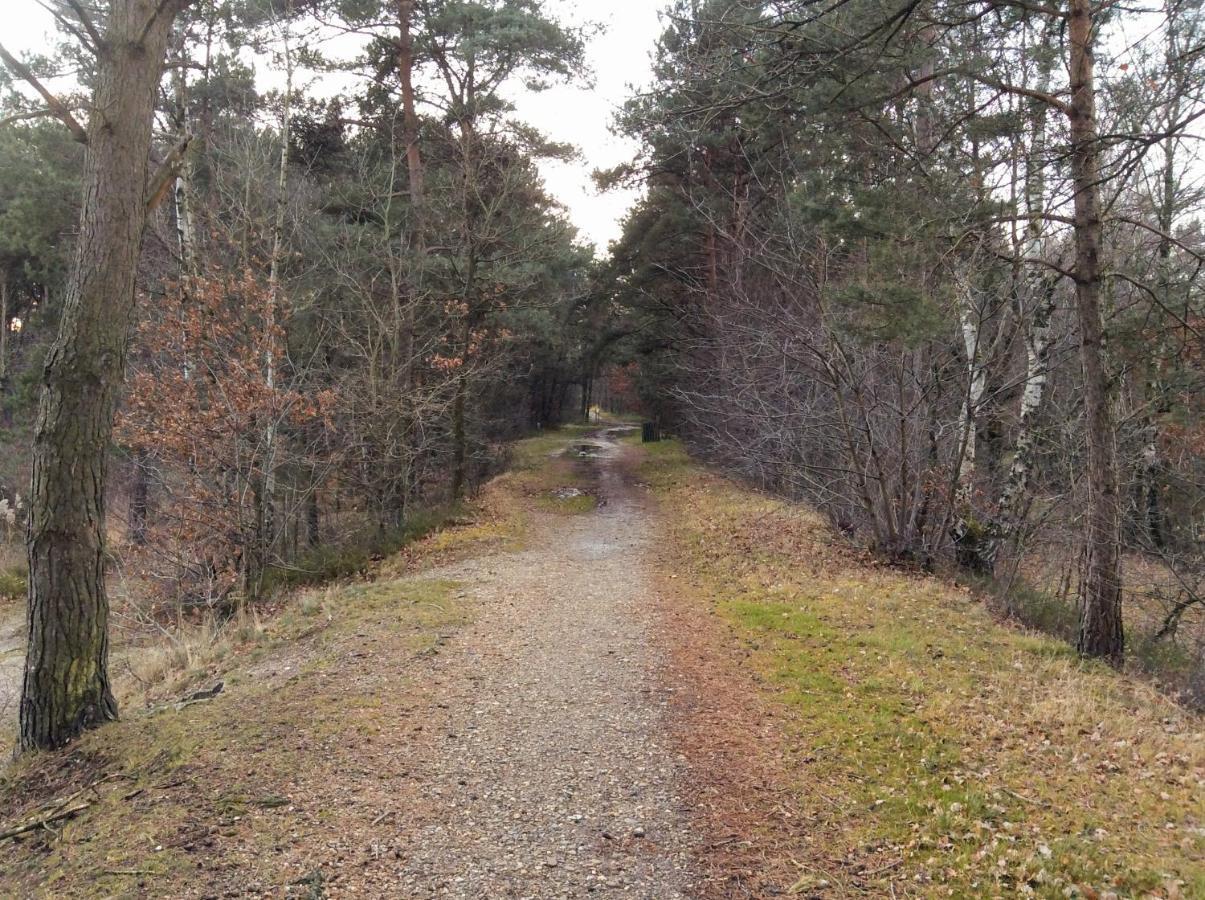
(587, 450)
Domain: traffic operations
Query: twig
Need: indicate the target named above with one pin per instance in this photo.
(45, 821)
(881, 869)
(1025, 799)
(130, 872)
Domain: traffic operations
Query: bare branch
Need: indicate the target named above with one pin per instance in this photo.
(89, 25)
(162, 180)
(57, 106)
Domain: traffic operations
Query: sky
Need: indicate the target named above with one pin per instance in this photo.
(619, 56)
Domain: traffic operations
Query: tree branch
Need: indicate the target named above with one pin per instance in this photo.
(167, 170)
(89, 26)
(986, 80)
(164, 5)
(56, 105)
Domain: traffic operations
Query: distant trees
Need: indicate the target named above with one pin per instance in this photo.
(875, 233)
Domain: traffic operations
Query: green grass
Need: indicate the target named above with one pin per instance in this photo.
(232, 769)
(1173, 664)
(532, 453)
(12, 582)
(576, 505)
(953, 754)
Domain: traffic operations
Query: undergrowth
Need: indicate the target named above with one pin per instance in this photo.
(355, 558)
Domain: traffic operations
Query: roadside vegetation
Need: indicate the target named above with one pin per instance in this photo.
(933, 750)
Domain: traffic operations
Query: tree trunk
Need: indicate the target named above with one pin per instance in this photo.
(1100, 625)
(414, 168)
(266, 525)
(66, 685)
(1036, 304)
(312, 518)
(186, 177)
(4, 351)
(972, 542)
(139, 496)
(1014, 498)
(460, 437)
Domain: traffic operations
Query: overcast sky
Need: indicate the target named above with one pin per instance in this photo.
(578, 115)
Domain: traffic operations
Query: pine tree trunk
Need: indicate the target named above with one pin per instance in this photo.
(1100, 625)
(414, 168)
(66, 685)
(4, 416)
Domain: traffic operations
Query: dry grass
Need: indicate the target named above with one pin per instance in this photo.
(214, 796)
(931, 750)
(12, 572)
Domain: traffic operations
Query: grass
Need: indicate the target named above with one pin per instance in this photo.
(168, 783)
(928, 743)
(230, 783)
(555, 479)
(13, 570)
(12, 583)
(1175, 664)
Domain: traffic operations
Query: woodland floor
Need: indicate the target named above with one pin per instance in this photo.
(625, 677)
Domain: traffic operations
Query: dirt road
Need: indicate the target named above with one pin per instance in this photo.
(552, 776)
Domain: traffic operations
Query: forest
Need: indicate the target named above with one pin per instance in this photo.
(933, 269)
(306, 367)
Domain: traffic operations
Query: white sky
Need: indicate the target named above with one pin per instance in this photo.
(619, 57)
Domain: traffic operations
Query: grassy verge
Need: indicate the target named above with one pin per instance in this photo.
(546, 470)
(1175, 664)
(224, 782)
(234, 783)
(932, 750)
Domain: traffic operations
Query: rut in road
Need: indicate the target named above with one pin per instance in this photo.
(552, 775)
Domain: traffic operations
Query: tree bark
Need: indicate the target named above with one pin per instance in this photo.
(265, 521)
(1100, 625)
(971, 540)
(4, 350)
(66, 684)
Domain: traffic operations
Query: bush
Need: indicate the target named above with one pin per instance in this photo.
(354, 558)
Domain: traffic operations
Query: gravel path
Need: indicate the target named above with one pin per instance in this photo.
(552, 776)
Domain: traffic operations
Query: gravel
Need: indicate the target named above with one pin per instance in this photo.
(552, 774)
